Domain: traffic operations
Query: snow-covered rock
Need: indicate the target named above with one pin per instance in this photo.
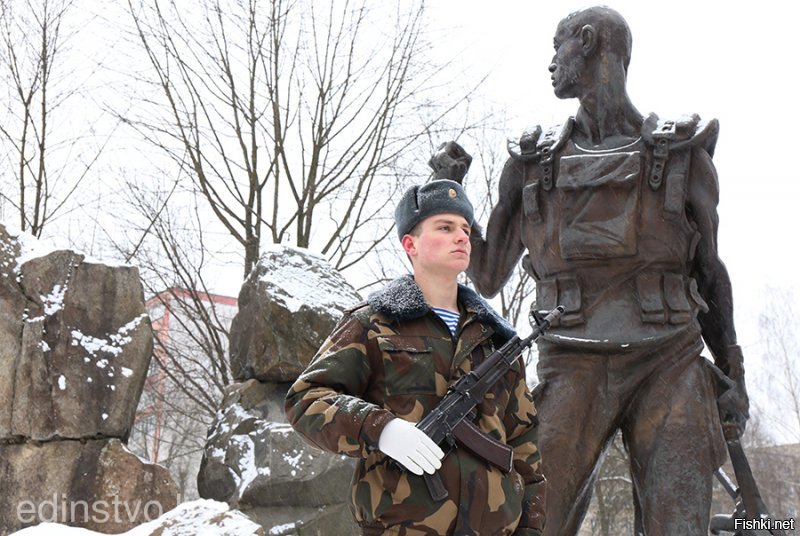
(289, 303)
(75, 347)
(253, 459)
(256, 462)
(75, 343)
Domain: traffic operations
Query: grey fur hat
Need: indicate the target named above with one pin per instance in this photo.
(434, 197)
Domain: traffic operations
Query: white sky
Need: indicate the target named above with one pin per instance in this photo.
(737, 64)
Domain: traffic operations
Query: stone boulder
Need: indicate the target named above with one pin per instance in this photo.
(75, 345)
(12, 304)
(257, 463)
(288, 304)
(96, 484)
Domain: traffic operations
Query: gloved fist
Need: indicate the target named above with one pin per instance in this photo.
(733, 403)
(450, 161)
(410, 447)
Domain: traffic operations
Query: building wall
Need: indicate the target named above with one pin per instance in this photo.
(183, 388)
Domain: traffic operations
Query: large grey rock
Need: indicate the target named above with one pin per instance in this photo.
(93, 484)
(331, 520)
(256, 462)
(75, 345)
(12, 304)
(288, 305)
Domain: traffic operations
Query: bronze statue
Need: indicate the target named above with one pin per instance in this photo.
(618, 214)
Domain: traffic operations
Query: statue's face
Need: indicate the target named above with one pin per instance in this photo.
(568, 65)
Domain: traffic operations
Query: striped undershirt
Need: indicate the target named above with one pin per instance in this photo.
(450, 318)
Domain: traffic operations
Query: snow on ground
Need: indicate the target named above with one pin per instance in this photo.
(201, 517)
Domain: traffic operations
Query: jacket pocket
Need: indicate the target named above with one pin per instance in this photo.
(408, 365)
(665, 298)
(564, 290)
(601, 205)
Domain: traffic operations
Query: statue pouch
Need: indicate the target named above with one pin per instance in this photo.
(600, 203)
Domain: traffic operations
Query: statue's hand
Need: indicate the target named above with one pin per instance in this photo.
(450, 161)
(734, 410)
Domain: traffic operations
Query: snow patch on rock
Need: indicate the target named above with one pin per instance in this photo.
(54, 302)
(286, 271)
(112, 345)
(30, 247)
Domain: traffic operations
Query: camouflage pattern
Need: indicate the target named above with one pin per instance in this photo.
(398, 360)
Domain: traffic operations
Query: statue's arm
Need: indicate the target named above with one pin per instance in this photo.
(712, 277)
(714, 285)
(494, 256)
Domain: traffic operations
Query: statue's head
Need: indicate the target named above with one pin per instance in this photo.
(584, 39)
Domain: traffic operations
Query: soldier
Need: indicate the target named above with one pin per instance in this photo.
(618, 215)
(390, 361)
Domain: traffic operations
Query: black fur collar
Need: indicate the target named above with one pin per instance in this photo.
(402, 300)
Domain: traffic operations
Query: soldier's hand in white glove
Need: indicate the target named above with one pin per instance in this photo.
(410, 447)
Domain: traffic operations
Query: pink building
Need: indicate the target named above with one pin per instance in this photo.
(188, 370)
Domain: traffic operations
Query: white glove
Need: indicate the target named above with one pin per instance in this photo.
(410, 447)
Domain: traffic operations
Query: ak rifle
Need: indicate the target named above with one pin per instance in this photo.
(448, 422)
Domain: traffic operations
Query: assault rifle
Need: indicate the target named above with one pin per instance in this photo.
(448, 422)
(748, 504)
(727, 523)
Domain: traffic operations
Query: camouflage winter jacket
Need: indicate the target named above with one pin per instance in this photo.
(396, 357)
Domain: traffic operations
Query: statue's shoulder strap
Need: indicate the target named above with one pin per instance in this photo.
(536, 145)
(667, 136)
(686, 131)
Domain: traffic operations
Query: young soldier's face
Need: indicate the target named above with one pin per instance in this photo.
(441, 245)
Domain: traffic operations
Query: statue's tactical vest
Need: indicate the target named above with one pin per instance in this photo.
(608, 235)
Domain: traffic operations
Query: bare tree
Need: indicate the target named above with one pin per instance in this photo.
(172, 264)
(292, 125)
(45, 156)
(293, 118)
(611, 510)
(491, 155)
(781, 345)
(190, 368)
